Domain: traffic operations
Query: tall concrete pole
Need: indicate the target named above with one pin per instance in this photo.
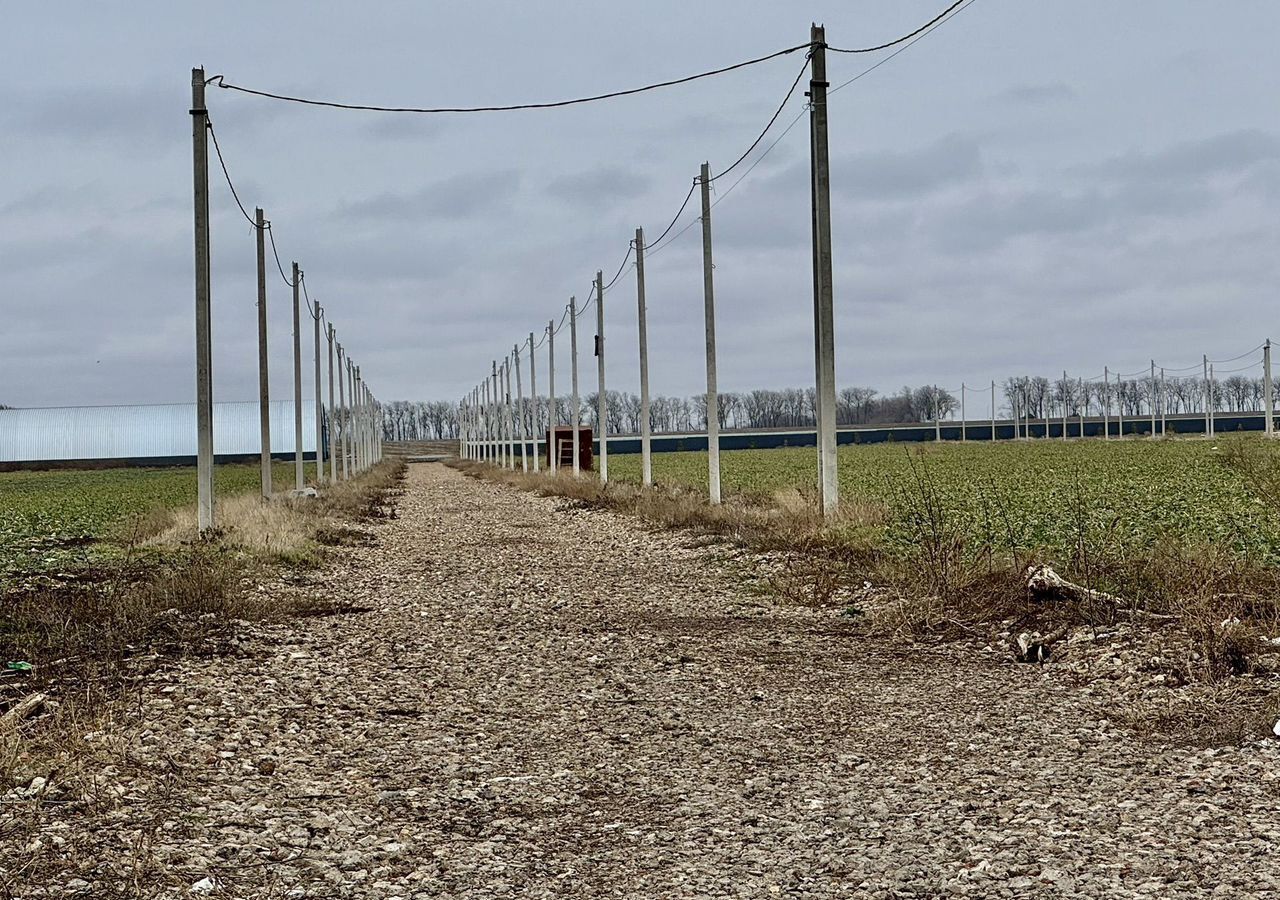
(1267, 398)
(1213, 402)
(264, 388)
(553, 449)
(204, 332)
(1066, 402)
(1119, 407)
(533, 401)
(963, 417)
(319, 405)
(499, 456)
(333, 417)
(1152, 398)
(824, 314)
(937, 414)
(349, 422)
(299, 480)
(993, 410)
(646, 455)
(602, 402)
(1106, 403)
(344, 423)
(573, 353)
(1164, 405)
(357, 420)
(1208, 399)
(709, 324)
(512, 436)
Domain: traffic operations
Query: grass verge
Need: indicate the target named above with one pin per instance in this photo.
(73, 646)
(1214, 612)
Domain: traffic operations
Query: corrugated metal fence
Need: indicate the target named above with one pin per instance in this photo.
(164, 432)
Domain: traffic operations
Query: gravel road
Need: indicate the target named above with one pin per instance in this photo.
(545, 701)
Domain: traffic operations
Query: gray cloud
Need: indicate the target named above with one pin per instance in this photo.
(453, 198)
(1231, 153)
(1037, 94)
(602, 186)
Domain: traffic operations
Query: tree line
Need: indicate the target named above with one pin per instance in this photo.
(1026, 395)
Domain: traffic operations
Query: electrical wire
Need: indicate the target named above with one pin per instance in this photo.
(693, 187)
(618, 274)
(302, 278)
(223, 163)
(910, 39)
(1241, 356)
(271, 234)
(906, 37)
(221, 82)
(772, 120)
(928, 29)
(1247, 368)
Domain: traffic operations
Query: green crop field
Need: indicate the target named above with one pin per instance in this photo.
(1038, 495)
(52, 519)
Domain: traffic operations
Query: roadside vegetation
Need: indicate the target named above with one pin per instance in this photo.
(1049, 550)
(79, 629)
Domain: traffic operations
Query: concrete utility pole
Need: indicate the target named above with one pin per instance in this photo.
(1164, 405)
(1213, 400)
(482, 410)
(349, 443)
(646, 457)
(643, 328)
(962, 415)
(333, 417)
(359, 426)
(709, 318)
(937, 414)
(1106, 403)
(1152, 398)
(264, 388)
(993, 411)
(553, 449)
(1208, 401)
(299, 480)
(573, 353)
(497, 415)
(1119, 408)
(512, 435)
(319, 405)
(533, 400)
(344, 425)
(823, 304)
(1066, 386)
(1267, 398)
(204, 333)
(602, 402)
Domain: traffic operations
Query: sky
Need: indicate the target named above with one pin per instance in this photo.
(1030, 188)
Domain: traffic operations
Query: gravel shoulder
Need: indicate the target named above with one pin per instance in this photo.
(547, 701)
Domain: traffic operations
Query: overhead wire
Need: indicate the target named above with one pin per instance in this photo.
(220, 81)
(302, 279)
(772, 119)
(630, 247)
(271, 235)
(1241, 356)
(926, 30)
(906, 37)
(223, 163)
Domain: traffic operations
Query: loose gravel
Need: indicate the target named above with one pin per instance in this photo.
(549, 701)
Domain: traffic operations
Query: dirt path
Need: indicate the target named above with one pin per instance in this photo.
(551, 702)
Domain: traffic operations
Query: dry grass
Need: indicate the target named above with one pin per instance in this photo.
(1218, 608)
(791, 522)
(92, 637)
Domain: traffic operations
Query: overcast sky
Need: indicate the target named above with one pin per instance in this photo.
(1034, 186)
